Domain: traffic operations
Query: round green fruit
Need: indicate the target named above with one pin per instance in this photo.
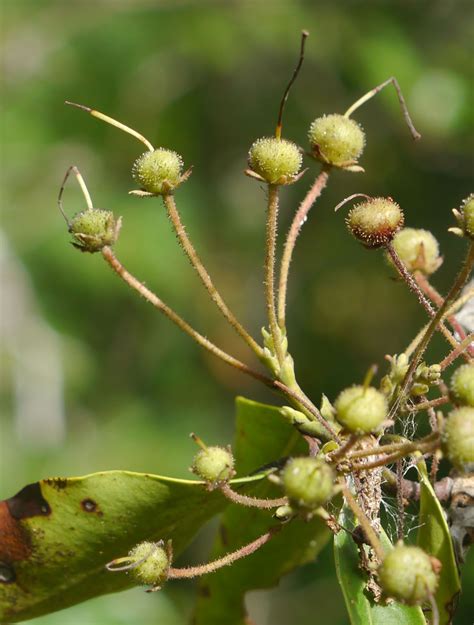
(213, 464)
(336, 139)
(418, 250)
(93, 229)
(462, 385)
(158, 172)
(458, 437)
(308, 482)
(153, 566)
(407, 574)
(361, 410)
(375, 222)
(277, 161)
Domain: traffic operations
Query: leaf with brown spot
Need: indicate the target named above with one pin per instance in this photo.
(56, 535)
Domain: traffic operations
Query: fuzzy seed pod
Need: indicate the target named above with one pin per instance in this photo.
(213, 465)
(462, 385)
(375, 222)
(458, 437)
(418, 250)
(308, 482)
(276, 161)
(361, 410)
(336, 140)
(93, 229)
(158, 172)
(153, 570)
(408, 574)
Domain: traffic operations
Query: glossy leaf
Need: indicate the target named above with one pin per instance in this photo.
(57, 534)
(362, 610)
(435, 538)
(262, 436)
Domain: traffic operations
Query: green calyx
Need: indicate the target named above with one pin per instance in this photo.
(93, 229)
(361, 410)
(375, 222)
(214, 465)
(308, 482)
(418, 250)
(408, 574)
(336, 140)
(276, 161)
(158, 172)
(462, 385)
(152, 563)
(458, 437)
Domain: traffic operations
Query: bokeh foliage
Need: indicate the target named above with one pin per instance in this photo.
(205, 78)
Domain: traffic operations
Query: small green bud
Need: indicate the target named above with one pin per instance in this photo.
(284, 514)
(93, 229)
(462, 384)
(308, 482)
(418, 250)
(158, 172)
(408, 574)
(153, 569)
(465, 218)
(458, 437)
(361, 410)
(213, 465)
(375, 222)
(276, 161)
(336, 140)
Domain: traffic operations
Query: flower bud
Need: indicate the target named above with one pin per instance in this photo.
(213, 465)
(418, 250)
(276, 161)
(458, 437)
(361, 410)
(158, 172)
(375, 222)
(308, 482)
(153, 566)
(93, 229)
(408, 574)
(462, 385)
(336, 140)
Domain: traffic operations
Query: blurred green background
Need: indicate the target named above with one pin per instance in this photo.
(93, 378)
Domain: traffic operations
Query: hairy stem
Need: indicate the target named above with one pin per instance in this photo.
(405, 446)
(459, 282)
(429, 290)
(196, 262)
(251, 502)
(464, 344)
(270, 247)
(155, 301)
(210, 567)
(415, 288)
(298, 221)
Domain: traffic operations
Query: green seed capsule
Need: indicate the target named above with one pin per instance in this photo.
(213, 464)
(458, 437)
(308, 482)
(336, 140)
(361, 410)
(93, 229)
(153, 570)
(158, 172)
(418, 250)
(375, 222)
(462, 384)
(277, 161)
(407, 574)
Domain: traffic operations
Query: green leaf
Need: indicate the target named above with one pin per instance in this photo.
(57, 534)
(362, 610)
(262, 436)
(435, 538)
